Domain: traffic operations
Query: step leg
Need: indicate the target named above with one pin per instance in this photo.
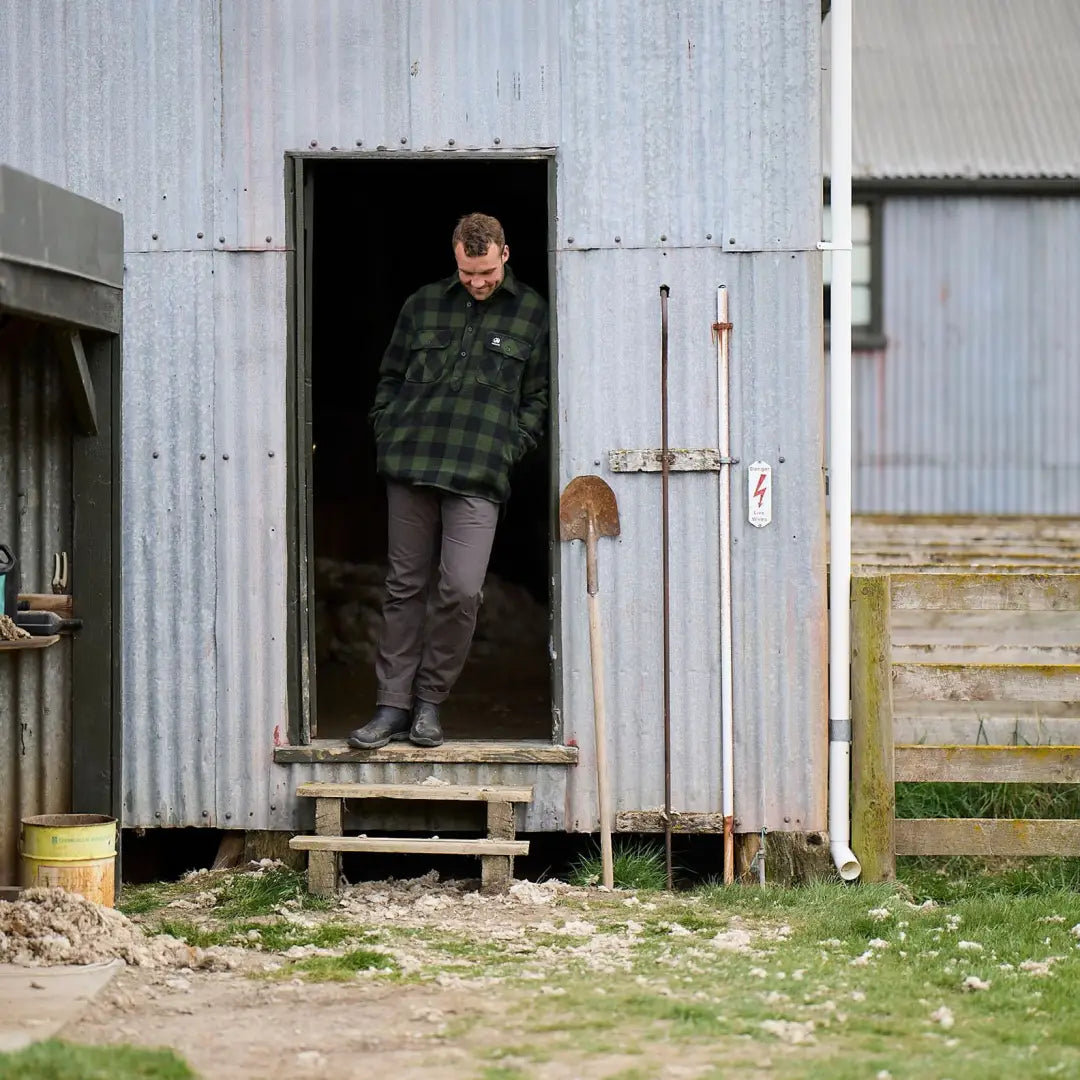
(497, 871)
(324, 867)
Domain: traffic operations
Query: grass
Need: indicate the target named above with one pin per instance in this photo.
(342, 968)
(988, 800)
(637, 864)
(239, 895)
(55, 1060)
(272, 936)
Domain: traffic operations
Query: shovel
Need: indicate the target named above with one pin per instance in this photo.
(587, 510)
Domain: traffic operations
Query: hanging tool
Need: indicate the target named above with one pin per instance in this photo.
(665, 469)
(587, 511)
(60, 573)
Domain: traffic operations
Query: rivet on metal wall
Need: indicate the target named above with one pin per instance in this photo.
(618, 239)
(153, 236)
(224, 457)
(663, 238)
(270, 453)
(206, 813)
(333, 147)
(708, 236)
(229, 816)
(359, 142)
(731, 239)
(781, 460)
(157, 813)
(403, 140)
(787, 820)
(221, 239)
(314, 142)
(269, 239)
(199, 235)
(202, 457)
(569, 239)
(497, 141)
(155, 454)
(449, 142)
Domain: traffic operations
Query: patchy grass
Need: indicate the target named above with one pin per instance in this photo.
(271, 936)
(264, 892)
(55, 1060)
(342, 968)
(636, 864)
(988, 800)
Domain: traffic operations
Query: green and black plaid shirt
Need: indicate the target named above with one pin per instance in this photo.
(463, 387)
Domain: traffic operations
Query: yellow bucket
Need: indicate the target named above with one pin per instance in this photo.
(76, 852)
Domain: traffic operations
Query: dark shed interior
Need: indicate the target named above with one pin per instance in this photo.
(380, 230)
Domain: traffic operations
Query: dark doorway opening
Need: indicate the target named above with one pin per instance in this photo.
(380, 229)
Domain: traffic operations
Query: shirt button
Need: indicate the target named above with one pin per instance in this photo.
(464, 353)
(468, 329)
(468, 303)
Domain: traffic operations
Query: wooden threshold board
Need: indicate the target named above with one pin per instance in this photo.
(407, 845)
(424, 792)
(465, 751)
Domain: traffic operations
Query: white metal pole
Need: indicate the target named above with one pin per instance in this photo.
(840, 448)
(727, 723)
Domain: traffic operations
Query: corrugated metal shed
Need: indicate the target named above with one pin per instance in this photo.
(35, 521)
(971, 408)
(964, 89)
(688, 141)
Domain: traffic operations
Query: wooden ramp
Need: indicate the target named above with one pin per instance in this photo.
(496, 851)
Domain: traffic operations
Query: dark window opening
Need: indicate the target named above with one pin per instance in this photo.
(380, 230)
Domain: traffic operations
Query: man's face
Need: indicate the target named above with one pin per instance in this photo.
(481, 274)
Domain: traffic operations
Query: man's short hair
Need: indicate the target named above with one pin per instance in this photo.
(477, 232)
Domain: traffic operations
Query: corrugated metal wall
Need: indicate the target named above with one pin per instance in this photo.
(692, 122)
(35, 521)
(971, 406)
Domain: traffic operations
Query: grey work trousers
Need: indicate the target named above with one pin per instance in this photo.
(423, 646)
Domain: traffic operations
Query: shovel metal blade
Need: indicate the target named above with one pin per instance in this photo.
(583, 498)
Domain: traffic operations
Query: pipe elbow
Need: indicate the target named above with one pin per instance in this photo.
(847, 866)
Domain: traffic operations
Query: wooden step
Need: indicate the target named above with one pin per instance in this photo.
(425, 792)
(409, 845)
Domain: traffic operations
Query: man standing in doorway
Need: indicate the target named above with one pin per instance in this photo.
(462, 395)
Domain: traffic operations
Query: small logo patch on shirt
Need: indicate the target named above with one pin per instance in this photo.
(496, 341)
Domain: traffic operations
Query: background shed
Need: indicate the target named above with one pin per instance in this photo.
(966, 158)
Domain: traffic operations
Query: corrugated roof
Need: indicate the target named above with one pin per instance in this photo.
(964, 89)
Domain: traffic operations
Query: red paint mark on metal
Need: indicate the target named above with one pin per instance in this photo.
(571, 742)
(759, 491)
(277, 735)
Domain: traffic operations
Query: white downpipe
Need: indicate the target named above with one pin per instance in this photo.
(840, 449)
(727, 714)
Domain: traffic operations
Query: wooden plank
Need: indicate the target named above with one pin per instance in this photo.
(873, 792)
(426, 792)
(324, 867)
(628, 461)
(956, 654)
(997, 568)
(497, 871)
(991, 730)
(80, 386)
(987, 682)
(911, 627)
(470, 751)
(988, 764)
(652, 821)
(61, 603)
(1001, 592)
(987, 836)
(409, 846)
(29, 643)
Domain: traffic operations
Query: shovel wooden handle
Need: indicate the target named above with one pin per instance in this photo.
(596, 653)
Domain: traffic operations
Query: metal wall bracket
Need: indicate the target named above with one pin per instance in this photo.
(703, 460)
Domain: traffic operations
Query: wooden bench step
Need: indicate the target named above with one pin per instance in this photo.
(425, 792)
(409, 845)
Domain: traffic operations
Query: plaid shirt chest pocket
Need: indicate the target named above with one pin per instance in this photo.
(427, 356)
(502, 362)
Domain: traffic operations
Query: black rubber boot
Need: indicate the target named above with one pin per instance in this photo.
(387, 723)
(426, 729)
